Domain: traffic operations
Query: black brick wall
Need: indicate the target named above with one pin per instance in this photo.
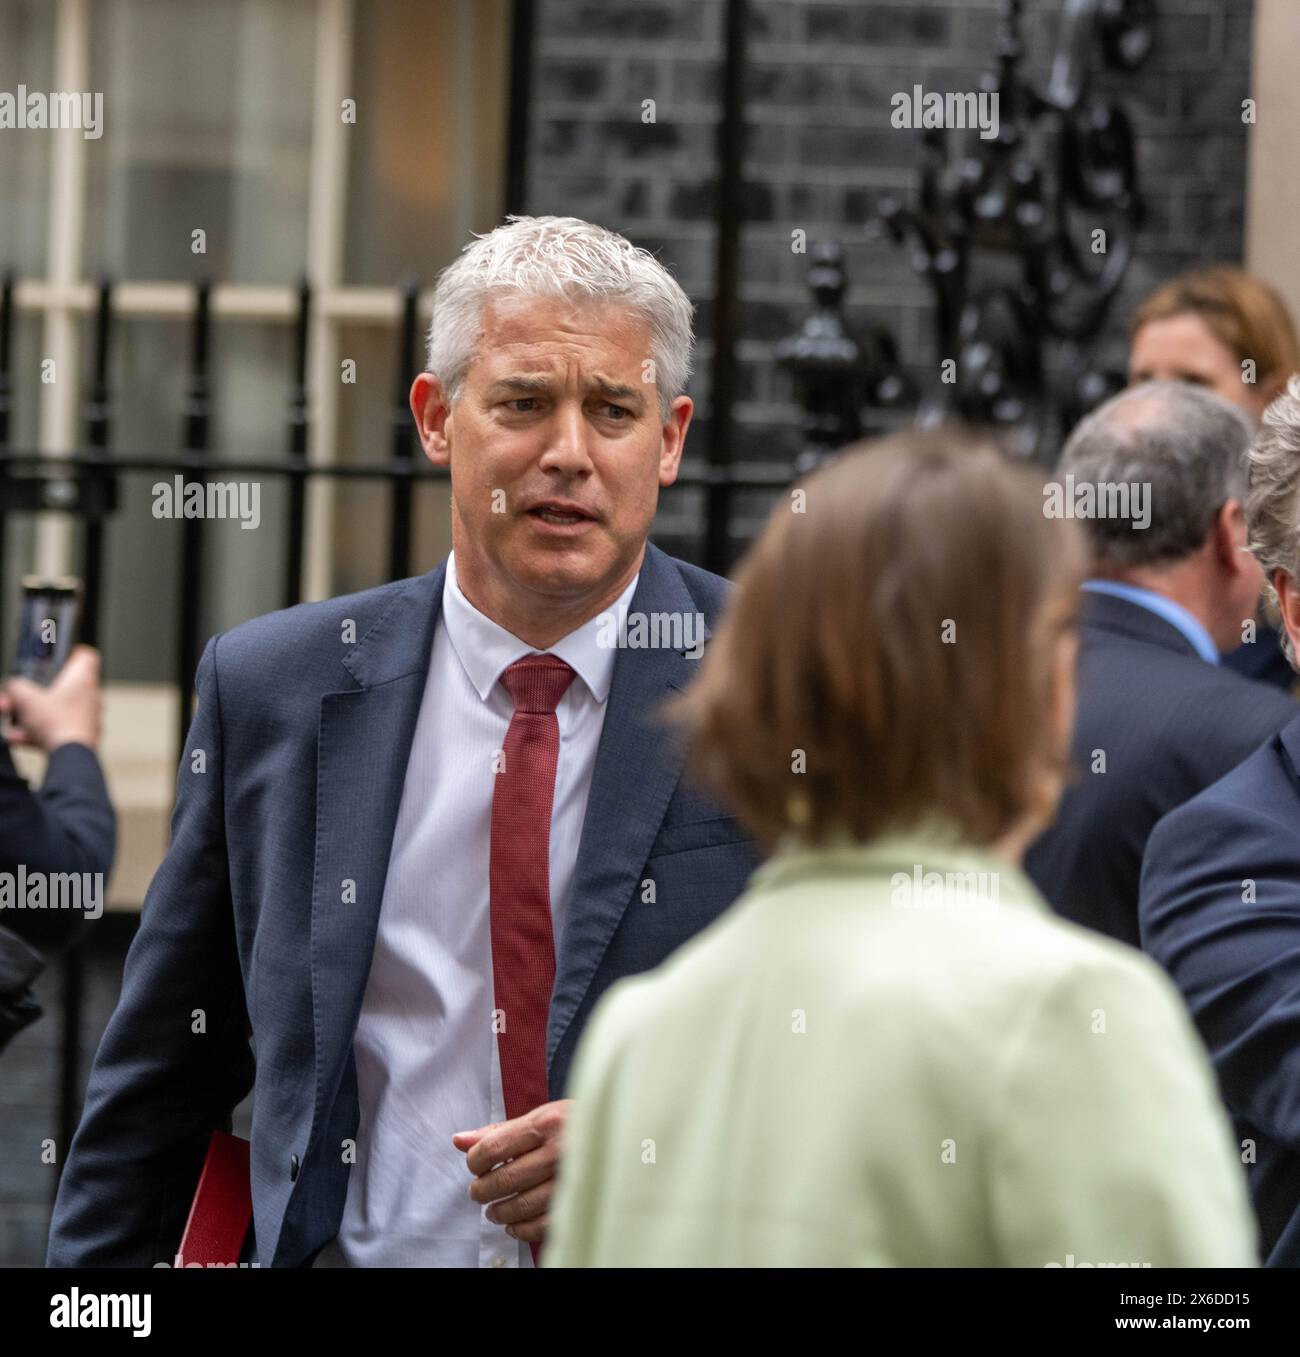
(821, 149)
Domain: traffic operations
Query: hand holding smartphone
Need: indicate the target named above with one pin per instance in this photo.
(55, 699)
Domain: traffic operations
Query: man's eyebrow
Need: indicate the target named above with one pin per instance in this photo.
(615, 390)
(528, 385)
(524, 384)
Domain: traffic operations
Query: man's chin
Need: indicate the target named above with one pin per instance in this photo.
(562, 571)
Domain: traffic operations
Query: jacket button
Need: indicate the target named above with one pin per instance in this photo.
(293, 1168)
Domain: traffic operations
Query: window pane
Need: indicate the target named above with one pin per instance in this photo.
(19, 555)
(363, 509)
(207, 126)
(427, 155)
(25, 380)
(141, 588)
(26, 58)
(252, 373)
(243, 568)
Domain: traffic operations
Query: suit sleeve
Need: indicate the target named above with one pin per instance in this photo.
(175, 1057)
(1220, 910)
(69, 826)
(1110, 1145)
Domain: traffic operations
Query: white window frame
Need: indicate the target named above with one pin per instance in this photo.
(64, 296)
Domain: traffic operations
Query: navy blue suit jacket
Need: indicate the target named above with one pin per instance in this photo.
(68, 826)
(1170, 724)
(1237, 961)
(1264, 660)
(289, 786)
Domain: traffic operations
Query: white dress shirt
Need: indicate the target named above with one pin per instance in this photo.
(426, 1055)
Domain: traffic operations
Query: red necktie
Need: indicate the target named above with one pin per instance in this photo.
(519, 879)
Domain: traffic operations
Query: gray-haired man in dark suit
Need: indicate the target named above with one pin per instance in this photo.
(420, 830)
(1173, 587)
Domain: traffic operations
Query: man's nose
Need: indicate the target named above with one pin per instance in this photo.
(566, 444)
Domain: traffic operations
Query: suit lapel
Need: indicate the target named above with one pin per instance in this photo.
(364, 742)
(1289, 738)
(637, 768)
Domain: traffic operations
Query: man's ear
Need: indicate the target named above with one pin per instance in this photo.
(430, 407)
(1288, 597)
(1230, 536)
(674, 439)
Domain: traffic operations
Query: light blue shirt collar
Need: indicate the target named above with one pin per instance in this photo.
(486, 649)
(1173, 613)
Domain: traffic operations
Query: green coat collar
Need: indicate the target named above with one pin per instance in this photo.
(913, 853)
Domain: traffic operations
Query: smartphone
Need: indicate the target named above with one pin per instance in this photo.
(48, 626)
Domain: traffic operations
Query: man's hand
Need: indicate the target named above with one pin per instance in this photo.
(514, 1164)
(67, 712)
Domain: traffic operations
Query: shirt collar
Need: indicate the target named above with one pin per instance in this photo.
(1173, 613)
(486, 649)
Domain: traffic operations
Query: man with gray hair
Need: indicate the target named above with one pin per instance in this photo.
(1158, 474)
(1220, 892)
(420, 830)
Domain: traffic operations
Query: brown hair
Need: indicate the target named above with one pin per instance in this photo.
(1241, 311)
(895, 622)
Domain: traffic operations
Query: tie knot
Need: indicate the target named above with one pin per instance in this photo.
(537, 682)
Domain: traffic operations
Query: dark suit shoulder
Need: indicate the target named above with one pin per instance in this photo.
(1258, 790)
(707, 590)
(1176, 699)
(279, 665)
(289, 628)
(1249, 701)
(1229, 831)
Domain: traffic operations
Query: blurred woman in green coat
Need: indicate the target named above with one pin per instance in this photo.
(889, 1052)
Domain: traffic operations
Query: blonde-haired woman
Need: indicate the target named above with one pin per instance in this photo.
(1218, 327)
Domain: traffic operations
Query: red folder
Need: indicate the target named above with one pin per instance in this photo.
(222, 1208)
